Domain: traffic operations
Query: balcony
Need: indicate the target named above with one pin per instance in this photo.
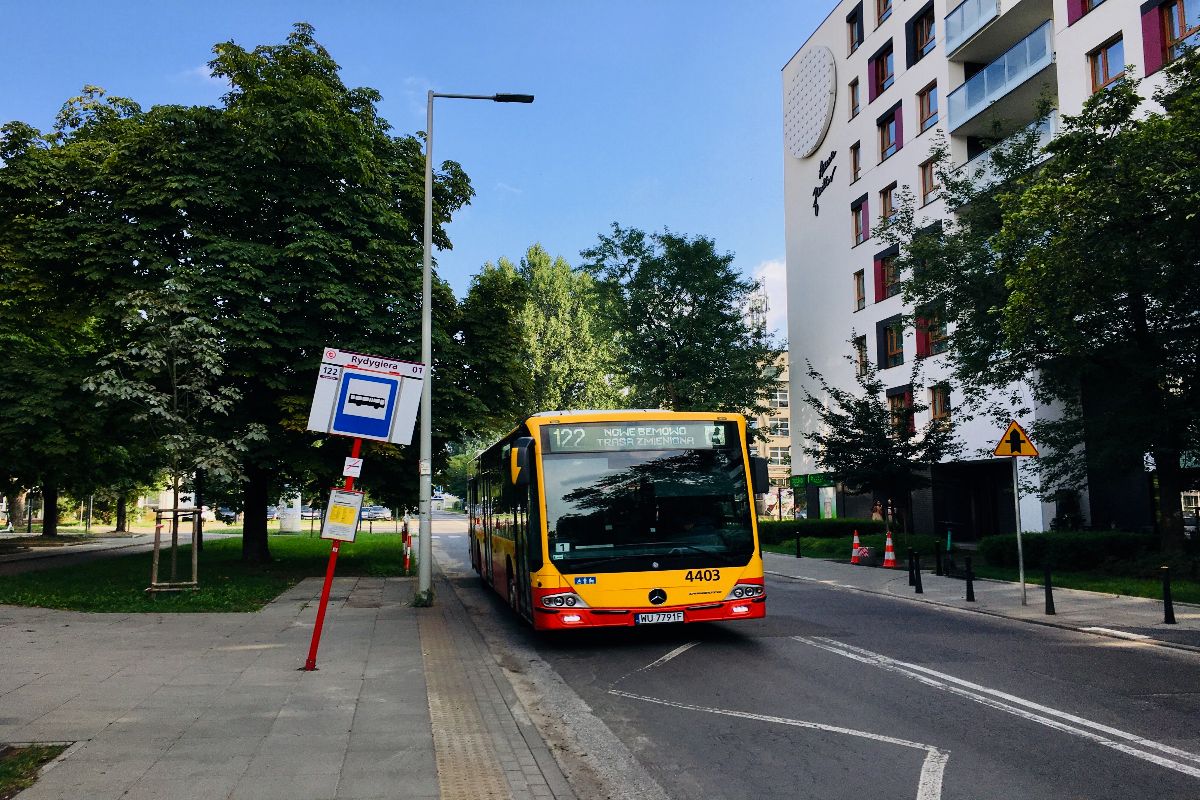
(996, 86)
(977, 31)
(982, 169)
(967, 20)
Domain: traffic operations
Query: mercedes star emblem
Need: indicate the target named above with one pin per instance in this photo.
(657, 597)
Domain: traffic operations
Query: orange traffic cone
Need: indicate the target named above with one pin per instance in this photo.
(889, 553)
(854, 551)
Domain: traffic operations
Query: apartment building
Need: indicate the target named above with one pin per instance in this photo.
(863, 100)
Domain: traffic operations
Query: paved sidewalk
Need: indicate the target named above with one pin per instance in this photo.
(39, 558)
(205, 706)
(1133, 618)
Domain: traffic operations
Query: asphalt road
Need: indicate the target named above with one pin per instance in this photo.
(839, 694)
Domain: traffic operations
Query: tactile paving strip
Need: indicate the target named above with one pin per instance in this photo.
(467, 764)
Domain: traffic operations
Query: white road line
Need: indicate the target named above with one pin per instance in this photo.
(929, 787)
(1133, 637)
(678, 651)
(1020, 707)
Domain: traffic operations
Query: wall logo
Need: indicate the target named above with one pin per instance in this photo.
(825, 181)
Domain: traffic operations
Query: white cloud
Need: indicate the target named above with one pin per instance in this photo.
(772, 276)
(504, 187)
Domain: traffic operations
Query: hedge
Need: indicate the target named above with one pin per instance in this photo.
(777, 531)
(1069, 551)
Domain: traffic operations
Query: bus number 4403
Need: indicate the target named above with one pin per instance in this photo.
(703, 575)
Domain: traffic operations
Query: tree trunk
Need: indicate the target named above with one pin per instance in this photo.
(255, 549)
(122, 513)
(16, 505)
(199, 504)
(1170, 504)
(50, 508)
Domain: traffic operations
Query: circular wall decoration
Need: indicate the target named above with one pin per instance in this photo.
(811, 95)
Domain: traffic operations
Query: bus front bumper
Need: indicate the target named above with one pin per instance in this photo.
(558, 619)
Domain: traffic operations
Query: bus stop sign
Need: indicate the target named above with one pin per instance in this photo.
(366, 397)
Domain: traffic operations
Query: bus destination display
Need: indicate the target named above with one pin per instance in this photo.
(611, 437)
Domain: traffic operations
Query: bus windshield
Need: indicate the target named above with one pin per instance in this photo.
(647, 509)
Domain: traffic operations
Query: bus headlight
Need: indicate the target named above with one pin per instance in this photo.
(563, 600)
(744, 591)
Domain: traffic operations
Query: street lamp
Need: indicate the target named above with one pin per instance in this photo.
(425, 466)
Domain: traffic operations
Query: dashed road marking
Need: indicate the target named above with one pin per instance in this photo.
(929, 786)
(1099, 733)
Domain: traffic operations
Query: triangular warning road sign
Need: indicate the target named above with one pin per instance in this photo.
(1015, 442)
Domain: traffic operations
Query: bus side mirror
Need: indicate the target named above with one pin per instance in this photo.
(760, 479)
(520, 457)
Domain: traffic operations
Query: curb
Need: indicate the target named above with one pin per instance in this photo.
(1045, 623)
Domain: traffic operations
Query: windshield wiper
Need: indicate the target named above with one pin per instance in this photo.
(724, 558)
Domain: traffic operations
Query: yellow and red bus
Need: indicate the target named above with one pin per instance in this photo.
(606, 518)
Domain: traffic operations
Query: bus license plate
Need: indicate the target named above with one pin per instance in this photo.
(658, 616)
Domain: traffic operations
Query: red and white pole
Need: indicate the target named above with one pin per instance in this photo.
(311, 663)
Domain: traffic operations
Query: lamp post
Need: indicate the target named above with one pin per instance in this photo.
(425, 465)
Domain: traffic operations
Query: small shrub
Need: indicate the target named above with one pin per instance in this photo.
(1069, 551)
(776, 531)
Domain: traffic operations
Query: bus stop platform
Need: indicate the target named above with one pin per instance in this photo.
(406, 702)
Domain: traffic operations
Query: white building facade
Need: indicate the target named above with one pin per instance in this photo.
(863, 99)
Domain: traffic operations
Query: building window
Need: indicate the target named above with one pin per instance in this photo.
(1107, 63)
(889, 134)
(939, 401)
(929, 184)
(860, 355)
(858, 215)
(883, 10)
(780, 427)
(891, 276)
(891, 342)
(932, 334)
(855, 161)
(854, 27)
(778, 397)
(1090, 5)
(900, 403)
(887, 203)
(922, 35)
(927, 105)
(1181, 19)
(860, 290)
(883, 70)
(780, 456)
(855, 99)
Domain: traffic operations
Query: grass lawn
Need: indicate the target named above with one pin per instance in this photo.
(19, 766)
(118, 583)
(1183, 588)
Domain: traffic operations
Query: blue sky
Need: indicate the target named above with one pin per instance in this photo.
(648, 113)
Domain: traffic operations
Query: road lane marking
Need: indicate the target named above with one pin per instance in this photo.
(1133, 637)
(929, 787)
(1002, 701)
(678, 651)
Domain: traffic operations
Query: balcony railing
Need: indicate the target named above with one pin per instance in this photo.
(982, 168)
(965, 21)
(1024, 60)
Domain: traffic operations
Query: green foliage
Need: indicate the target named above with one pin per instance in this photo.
(866, 446)
(1069, 551)
(1078, 275)
(676, 310)
(839, 548)
(776, 531)
(19, 766)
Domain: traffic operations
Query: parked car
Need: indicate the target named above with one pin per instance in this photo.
(375, 512)
(227, 515)
(308, 512)
(272, 512)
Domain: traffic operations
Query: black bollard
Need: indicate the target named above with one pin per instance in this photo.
(917, 574)
(937, 558)
(797, 545)
(1049, 591)
(1168, 606)
(912, 580)
(970, 582)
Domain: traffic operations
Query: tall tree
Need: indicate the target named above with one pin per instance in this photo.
(571, 363)
(1079, 275)
(677, 312)
(870, 447)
